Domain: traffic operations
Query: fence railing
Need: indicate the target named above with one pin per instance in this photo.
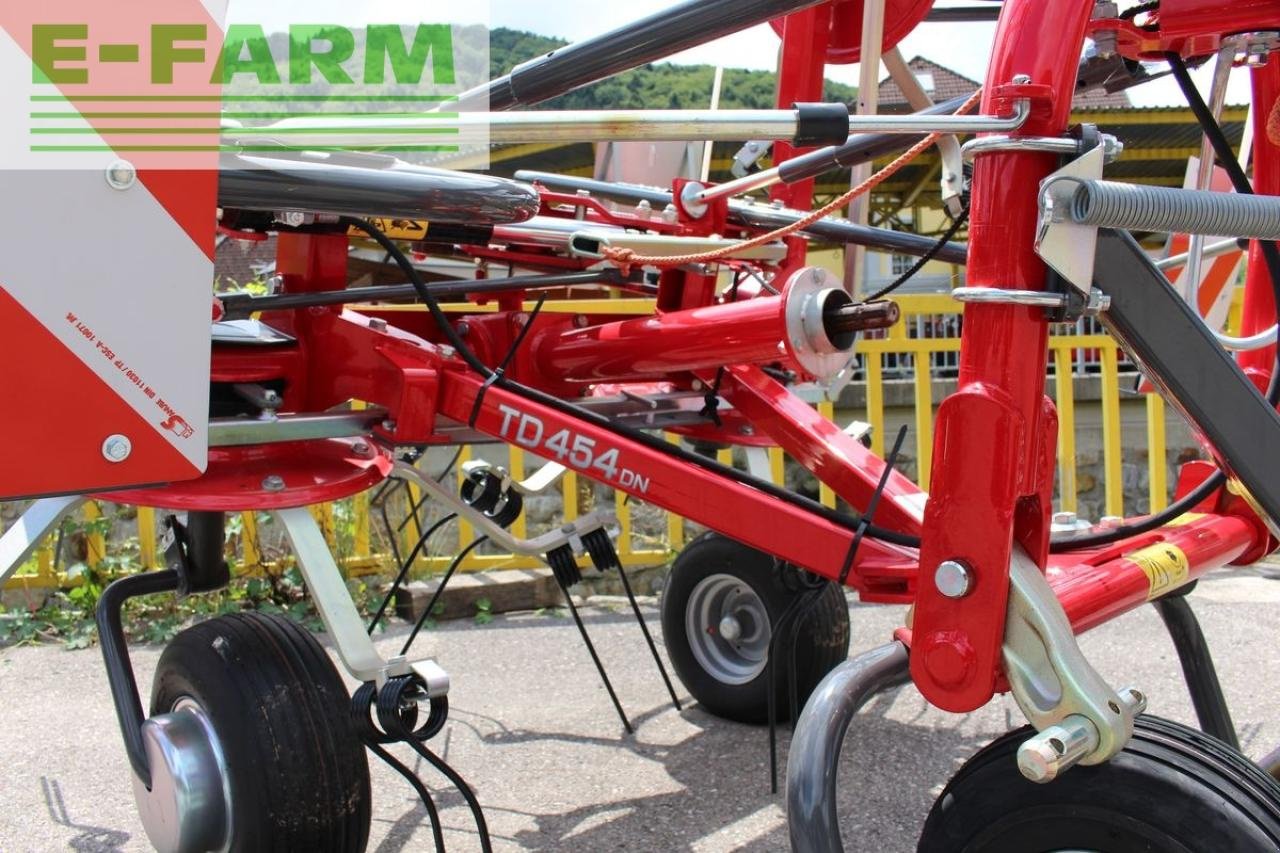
(928, 334)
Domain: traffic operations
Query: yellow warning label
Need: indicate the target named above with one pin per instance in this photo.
(1165, 565)
(396, 229)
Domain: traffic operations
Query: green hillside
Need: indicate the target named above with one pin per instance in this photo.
(656, 86)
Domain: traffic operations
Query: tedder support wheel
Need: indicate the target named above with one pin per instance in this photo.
(294, 773)
(719, 608)
(1172, 790)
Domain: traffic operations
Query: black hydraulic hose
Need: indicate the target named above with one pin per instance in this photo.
(657, 444)
(1271, 255)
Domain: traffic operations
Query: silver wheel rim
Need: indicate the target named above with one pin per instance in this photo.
(188, 705)
(728, 629)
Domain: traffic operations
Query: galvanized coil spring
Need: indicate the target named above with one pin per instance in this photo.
(1107, 204)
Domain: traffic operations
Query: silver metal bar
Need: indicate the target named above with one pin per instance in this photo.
(237, 432)
(1204, 173)
(814, 762)
(591, 243)
(740, 186)
(997, 296)
(948, 146)
(22, 539)
(1213, 250)
(548, 231)
(333, 600)
(1111, 146)
(596, 126)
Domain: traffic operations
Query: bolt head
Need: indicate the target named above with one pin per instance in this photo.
(361, 449)
(274, 483)
(121, 175)
(116, 449)
(377, 324)
(953, 579)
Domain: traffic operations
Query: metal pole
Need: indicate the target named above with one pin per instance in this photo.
(860, 148)
(868, 103)
(814, 762)
(592, 126)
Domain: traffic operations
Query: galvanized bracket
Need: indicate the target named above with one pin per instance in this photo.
(1064, 245)
(22, 539)
(1053, 683)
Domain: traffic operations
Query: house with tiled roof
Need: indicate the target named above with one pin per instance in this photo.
(943, 84)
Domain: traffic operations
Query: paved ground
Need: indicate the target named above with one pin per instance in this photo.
(534, 732)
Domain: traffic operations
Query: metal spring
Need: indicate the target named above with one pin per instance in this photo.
(1108, 204)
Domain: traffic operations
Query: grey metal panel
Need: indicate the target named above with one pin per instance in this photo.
(1163, 333)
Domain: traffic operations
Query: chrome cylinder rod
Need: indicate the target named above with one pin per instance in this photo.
(593, 126)
(861, 148)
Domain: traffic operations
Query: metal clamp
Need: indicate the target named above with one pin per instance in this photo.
(1062, 145)
(537, 483)
(1096, 301)
(1080, 719)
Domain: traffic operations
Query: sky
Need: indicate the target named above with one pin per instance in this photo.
(964, 47)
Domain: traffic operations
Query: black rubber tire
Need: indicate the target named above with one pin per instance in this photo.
(1172, 790)
(821, 643)
(299, 777)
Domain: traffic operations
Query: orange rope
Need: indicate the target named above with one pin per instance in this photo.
(625, 258)
(1273, 124)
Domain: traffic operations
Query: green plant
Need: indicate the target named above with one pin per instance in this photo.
(484, 611)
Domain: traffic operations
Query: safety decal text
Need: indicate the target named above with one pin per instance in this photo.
(1165, 566)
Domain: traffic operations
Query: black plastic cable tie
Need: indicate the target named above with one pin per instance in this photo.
(865, 523)
(711, 400)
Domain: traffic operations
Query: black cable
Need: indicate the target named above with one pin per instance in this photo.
(658, 445)
(1271, 256)
(924, 259)
(1135, 11)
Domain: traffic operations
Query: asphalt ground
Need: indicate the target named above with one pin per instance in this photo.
(533, 731)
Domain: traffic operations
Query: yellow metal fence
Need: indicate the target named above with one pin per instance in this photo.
(911, 348)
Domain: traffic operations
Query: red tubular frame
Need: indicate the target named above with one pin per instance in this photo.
(995, 440)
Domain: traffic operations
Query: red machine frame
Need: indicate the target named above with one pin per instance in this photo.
(995, 438)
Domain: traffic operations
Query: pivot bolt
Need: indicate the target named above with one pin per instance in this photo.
(274, 483)
(121, 175)
(953, 579)
(116, 448)
(361, 449)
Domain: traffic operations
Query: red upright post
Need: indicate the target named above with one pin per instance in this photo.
(993, 449)
(802, 65)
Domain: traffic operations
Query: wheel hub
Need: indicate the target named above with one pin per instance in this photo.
(185, 810)
(728, 629)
